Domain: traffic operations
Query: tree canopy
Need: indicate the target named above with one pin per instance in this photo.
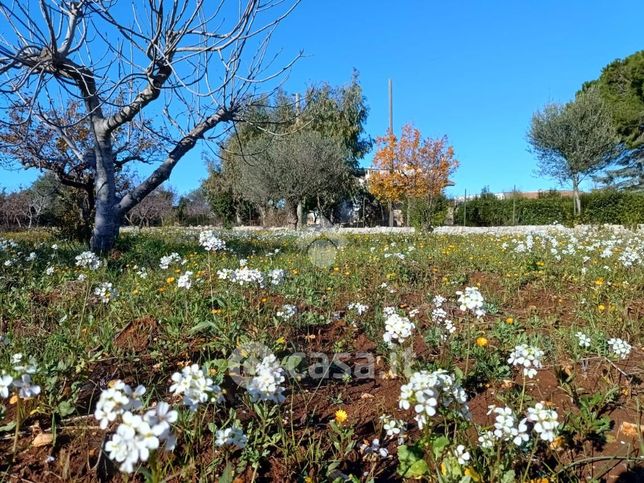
(574, 140)
(621, 86)
(331, 118)
(410, 167)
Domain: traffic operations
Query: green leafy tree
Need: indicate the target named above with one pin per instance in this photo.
(621, 85)
(297, 169)
(335, 113)
(574, 140)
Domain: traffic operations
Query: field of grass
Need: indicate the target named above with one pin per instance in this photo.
(188, 356)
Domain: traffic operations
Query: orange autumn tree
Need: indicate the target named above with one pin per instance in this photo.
(410, 168)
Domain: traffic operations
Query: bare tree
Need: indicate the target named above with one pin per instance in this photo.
(154, 209)
(191, 64)
(68, 154)
(195, 209)
(38, 200)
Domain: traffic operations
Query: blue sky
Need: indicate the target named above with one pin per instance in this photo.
(473, 70)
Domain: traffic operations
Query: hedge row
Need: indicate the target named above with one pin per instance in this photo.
(605, 206)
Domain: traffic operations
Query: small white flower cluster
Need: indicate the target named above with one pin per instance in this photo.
(462, 455)
(471, 299)
(427, 392)
(276, 276)
(506, 428)
(242, 276)
(630, 256)
(393, 428)
(172, 259)
(397, 328)
(106, 292)
(619, 347)
(233, 436)
(250, 276)
(89, 260)
(373, 451)
(287, 311)
(6, 244)
(359, 308)
(136, 436)
(115, 401)
(19, 378)
(439, 316)
(265, 384)
(583, 339)
(210, 241)
(195, 387)
(545, 421)
(141, 272)
(528, 357)
(185, 280)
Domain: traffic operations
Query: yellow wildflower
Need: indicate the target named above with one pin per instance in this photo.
(471, 472)
(481, 341)
(341, 416)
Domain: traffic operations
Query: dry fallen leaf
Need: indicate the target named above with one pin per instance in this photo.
(43, 439)
(507, 383)
(629, 430)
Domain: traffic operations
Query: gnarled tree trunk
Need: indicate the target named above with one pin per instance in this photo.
(300, 215)
(107, 218)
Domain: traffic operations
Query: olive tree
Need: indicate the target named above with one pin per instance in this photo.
(574, 140)
(190, 66)
(293, 169)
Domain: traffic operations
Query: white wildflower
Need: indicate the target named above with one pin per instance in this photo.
(583, 339)
(545, 421)
(287, 311)
(397, 328)
(233, 436)
(620, 347)
(210, 241)
(185, 280)
(426, 392)
(106, 292)
(265, 384)
(471, 299)
(528, 357)
(195, 387)
(88, 260)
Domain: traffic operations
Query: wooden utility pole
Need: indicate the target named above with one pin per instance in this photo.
(391, 132)
(465, 208)
(514, 205)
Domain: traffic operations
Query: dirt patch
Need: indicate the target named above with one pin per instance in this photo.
(137, 335)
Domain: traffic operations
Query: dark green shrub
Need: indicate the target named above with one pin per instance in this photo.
(597, 207)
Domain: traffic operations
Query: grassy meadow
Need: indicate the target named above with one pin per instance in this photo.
(191, 355)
